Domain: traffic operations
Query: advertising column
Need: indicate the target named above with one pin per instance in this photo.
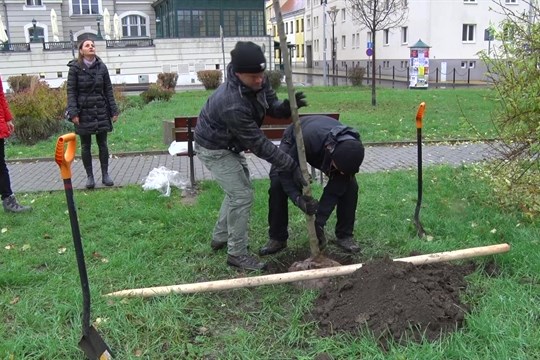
(419, 65)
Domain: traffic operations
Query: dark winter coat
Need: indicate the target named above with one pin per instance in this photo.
(90, 96)
(319, 132)
(5, 114)
(232, 117)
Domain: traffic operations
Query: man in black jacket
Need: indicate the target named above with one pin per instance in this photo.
(228, 124)
(337, 151)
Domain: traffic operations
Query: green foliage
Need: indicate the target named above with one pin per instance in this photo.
(356, 75)
(210, 78)
(514, 69)
(156, 93)
(168, 80)
(274, 76)
(21, 83)
(38, 112)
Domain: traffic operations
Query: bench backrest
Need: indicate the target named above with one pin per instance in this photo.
(272, 127)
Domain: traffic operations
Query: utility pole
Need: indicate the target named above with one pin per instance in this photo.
(325, 75)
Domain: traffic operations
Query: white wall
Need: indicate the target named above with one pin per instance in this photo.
(185, 56)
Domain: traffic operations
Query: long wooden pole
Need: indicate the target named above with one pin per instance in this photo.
(229, 284)
(310, 219)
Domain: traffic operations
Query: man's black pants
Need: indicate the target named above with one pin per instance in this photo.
(340, 192)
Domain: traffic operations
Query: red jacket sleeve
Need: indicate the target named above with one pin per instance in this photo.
(5, 114)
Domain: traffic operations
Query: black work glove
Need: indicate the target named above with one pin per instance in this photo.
(298, 178)
(307, 204)
(319, 230)
(300, 99)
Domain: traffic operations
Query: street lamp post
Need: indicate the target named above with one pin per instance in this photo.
(98, 20)
(325, 72)
(35, 38)
(332, 13)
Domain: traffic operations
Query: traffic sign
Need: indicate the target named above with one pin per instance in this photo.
(369, 52)
(369, 45)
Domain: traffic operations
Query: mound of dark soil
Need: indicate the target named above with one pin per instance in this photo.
(396, 301)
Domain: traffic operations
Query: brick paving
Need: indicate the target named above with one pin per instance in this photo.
(44, 175)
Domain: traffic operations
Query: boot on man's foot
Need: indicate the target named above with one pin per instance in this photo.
(245, 262)
(272, 247)
(11, 205)
(348, 244)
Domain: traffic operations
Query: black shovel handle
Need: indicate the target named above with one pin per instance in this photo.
(64, 157)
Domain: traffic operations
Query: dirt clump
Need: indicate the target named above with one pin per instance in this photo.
(396, 301)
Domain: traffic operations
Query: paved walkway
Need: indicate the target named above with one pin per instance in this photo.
(44, 175)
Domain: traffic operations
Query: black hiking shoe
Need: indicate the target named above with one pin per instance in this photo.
(348, 244)
(245, 262)
(272, 247)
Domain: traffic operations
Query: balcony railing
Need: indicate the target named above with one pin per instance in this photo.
(130, 43)
(14, 47)
(58, 45)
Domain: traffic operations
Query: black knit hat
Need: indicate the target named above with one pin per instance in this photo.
(348, 156)
(247, 57)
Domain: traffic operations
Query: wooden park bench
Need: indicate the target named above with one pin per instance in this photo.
(183, 127)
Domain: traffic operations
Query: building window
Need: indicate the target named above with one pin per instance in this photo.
(134, 26)
(510, 1)
(198, 23)
(343, 41)
(308, 22)
(297, 26)
(40, 33)
(286, 28)
(33, 2)
(386, 36)
(343, 15)
(404, 39)
(292, 27)
(353, 45)
(472, 64)
(85, 7)
(302, 23)
(468, 33)
(369, 38)
(463, 64)
(469, 1)
(243, 23)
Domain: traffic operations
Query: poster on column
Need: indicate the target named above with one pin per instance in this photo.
(419, 68)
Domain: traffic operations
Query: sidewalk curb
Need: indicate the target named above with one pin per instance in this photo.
(366, 144)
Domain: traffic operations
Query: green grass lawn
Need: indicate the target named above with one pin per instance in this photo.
(136, 239)
(450, 114)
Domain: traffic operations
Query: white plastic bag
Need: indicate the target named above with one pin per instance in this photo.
(178, 147)
(162, 179)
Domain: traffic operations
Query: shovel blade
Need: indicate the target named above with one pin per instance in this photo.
(94, 347)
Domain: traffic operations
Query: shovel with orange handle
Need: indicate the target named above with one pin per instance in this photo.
(91, 342)
(419, 117)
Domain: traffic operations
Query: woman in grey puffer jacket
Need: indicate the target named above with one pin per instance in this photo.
(91, 107)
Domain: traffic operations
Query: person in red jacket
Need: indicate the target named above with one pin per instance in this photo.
(6, 129)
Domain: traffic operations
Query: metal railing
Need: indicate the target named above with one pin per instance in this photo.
(58, 45)
(130, 43)
(14, 47)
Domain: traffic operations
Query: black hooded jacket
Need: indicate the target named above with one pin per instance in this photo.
(90, 96)
(232, 116)
(320, 133)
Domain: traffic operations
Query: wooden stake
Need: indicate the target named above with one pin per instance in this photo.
(310, 219)
(229, 284)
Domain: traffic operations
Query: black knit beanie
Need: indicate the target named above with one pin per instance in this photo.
(247, 57)
(348, 156)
